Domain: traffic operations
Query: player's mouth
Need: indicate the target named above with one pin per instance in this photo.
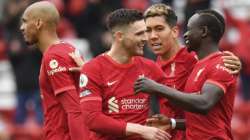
(186, 41)
(156, 46)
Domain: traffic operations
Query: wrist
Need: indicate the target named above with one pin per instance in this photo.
(173, 123)
(132, 129)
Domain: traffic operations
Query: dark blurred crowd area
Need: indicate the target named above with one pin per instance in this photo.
(83, 24)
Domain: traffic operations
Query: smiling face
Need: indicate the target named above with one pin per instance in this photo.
(134, 38)
(194, 33)
(161, 36)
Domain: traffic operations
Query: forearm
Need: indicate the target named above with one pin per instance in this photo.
(132, 129)
(189, 102)
(103, 124)
(99, 122)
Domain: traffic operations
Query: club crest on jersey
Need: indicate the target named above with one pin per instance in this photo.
(83, 80)
(198, 74)
(53, 64)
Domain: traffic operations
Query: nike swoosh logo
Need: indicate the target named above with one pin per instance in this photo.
(111, 83)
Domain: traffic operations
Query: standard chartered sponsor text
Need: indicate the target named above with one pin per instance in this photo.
(133, 104)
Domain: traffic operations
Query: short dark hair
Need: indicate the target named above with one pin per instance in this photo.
(164, 10)
(214, 21)
(123, 17)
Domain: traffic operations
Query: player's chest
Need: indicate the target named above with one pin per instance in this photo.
(118, 92)
(176, 74)
(120, 83)
(196, 79)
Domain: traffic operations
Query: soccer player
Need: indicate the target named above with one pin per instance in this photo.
(174, 60)
(59, 88)
(110, 109)
(210, 89)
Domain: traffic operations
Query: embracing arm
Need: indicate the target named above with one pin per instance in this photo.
(196, 102)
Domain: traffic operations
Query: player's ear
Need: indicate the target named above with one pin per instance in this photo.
(118, 35)
(39, 23)
(204, 31)
(175, 31)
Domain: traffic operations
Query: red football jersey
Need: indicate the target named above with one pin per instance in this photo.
(217, 123)
(177, 70)
(54, 79)
(112, 84)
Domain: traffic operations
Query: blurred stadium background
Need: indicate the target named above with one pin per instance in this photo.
(83, 24)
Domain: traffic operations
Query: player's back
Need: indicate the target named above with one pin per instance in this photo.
(217, 123)
(54, 79)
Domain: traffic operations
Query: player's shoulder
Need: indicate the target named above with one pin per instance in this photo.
(184, 55)
(217, 67)
(94, 64)
(60, 49)
(215, 59)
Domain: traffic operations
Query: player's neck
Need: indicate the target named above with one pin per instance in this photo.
(119, 55)
(206, 49)
(46, 40)
(173, 50)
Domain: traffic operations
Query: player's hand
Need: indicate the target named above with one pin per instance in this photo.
(231, 62)
(159, 121)
(145, 85)
(152, 133)
(78, 60)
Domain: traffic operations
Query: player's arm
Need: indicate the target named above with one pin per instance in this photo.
(163, 122)
(65, 92)
(70, 102)
(97, 121)
(196, 102)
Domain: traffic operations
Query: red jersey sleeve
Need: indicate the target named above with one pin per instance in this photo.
(219, 76)
(70, 103)
(91, 103)
(57, 70)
